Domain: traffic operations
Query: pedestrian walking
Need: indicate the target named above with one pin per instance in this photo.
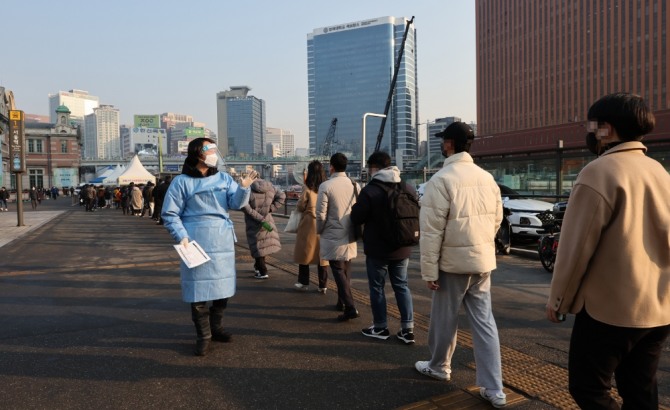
(383, 256)
(196, 209)
(4, 197)
(306, 250)
(337, 244)
(33, 195)
(461, 211)
(613, 265)
(262, 234)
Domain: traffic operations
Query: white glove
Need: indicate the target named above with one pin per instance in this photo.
(184, 242)
(249, 179)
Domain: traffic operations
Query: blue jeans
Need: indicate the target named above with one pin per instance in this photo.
(396, 270)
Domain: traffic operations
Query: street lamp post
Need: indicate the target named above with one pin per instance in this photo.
(366, 115)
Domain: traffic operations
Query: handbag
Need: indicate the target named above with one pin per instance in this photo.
(356, 230)
(293, 222)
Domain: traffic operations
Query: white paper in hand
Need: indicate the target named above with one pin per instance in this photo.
(192, 255)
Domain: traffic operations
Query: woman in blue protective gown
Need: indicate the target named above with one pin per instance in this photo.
(196, 209)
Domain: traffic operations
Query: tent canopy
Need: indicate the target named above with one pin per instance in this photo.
(136, 173)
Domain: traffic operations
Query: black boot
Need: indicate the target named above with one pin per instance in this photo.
(216, 321)
(200, 316)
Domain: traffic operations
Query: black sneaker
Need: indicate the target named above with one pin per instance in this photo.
(382, 334)
(260, 275)
(406, 335)
(348, 315)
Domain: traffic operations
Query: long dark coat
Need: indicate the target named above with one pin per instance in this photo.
(264, 200)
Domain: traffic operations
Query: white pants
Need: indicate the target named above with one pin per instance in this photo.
(473, 291)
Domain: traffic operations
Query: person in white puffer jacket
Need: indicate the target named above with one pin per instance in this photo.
(461, 211)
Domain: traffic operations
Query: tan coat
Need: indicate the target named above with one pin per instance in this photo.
(614, 252)
(306, 251)
(333, 222)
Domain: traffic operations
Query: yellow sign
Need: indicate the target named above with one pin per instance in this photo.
(15, 115)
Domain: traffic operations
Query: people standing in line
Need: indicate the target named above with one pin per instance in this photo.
(4, 197)
(125, 199)
(382, 258)
(337, 245)
(136, 201)
(116, 194)
(613, 266)
(33, 195)
(90, 198)
(54, 192)
(129, 194)
(159, 197)
(461, 211)
(196, 208)
(262, 234)
(147, 196)
(306, 250)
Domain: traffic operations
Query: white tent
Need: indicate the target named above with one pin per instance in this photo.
(136, 173)
(113, 178)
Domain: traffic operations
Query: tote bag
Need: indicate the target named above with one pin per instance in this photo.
(293, 222)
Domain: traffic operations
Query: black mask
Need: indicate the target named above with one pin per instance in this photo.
(594, 145)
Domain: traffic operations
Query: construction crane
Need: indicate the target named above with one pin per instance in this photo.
(330, 139)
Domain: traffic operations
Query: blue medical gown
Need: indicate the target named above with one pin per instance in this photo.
(197, 208)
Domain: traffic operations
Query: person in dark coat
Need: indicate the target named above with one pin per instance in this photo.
(262, 233)
(159, 197)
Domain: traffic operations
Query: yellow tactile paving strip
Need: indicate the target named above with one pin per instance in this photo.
(532, 377)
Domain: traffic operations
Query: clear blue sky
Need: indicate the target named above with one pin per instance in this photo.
(151, 56)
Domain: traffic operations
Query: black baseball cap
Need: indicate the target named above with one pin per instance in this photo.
(457, 131)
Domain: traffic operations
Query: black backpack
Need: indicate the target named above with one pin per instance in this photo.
(402, 214)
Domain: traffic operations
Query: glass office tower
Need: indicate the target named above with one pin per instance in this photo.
(349, 69)
(245, 125)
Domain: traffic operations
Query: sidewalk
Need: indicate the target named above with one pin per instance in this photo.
(93, 318)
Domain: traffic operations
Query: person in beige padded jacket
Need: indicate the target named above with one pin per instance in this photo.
(613, 264)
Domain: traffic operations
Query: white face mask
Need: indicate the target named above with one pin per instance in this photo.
(210, 161)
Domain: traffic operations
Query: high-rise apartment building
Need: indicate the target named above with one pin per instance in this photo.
(241, 122)
(349, 71)
(543, 63)
(80, 104)
(102, 139)
(285, 140)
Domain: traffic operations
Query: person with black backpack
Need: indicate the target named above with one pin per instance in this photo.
(389, 210)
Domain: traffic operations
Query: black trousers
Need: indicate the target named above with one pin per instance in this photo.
(342, 276)
(260, 265)
(322, 271)
(599, 350)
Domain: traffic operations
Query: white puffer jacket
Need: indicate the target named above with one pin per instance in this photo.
(461, 211)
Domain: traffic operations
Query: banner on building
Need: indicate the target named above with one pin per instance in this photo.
(194, 132)
(145, 141)
(66, 177)
(147, 121)
(182, 147)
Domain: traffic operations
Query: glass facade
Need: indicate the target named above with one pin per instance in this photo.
(349, 69)
(245, 125)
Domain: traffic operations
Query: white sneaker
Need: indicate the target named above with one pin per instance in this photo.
(422, 367)
(323, 290)
(300, 286)
(497, 400)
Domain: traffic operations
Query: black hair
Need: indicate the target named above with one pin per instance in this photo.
(315, 175)
(379, 160)
(339, 162)
(627, 113)
(193, 155)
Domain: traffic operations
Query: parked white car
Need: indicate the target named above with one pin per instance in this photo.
(523, 212)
